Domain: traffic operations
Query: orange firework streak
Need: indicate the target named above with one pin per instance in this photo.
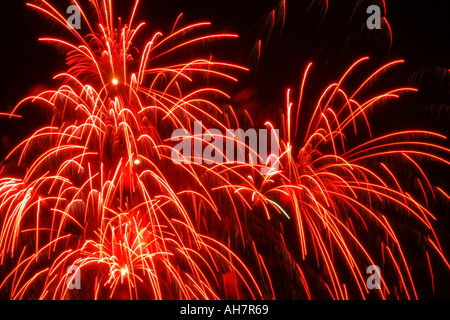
(99, 189)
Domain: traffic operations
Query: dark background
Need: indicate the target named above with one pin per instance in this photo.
(421, 36)
(333, 41)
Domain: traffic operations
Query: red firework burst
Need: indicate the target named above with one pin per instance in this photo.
(97, 187)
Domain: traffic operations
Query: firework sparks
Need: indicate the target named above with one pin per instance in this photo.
(99, 190)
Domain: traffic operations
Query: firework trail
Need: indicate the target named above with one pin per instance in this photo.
(97, 187)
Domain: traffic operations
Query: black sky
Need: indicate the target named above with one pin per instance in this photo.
(421, 33)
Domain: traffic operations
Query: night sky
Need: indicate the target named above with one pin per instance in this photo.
(421, 36)
(421, 33)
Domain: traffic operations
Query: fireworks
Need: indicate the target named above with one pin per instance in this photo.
(98, 188)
